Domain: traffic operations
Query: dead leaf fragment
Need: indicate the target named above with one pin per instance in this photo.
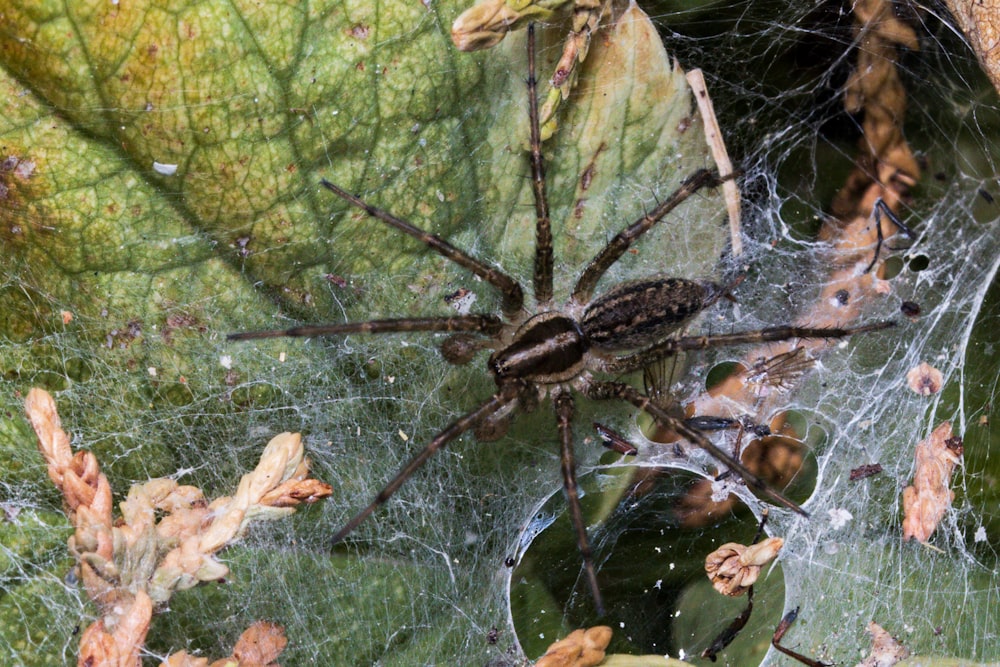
(926, 501)
(924, 379)
(733, 568)
(886, 651)
(580, 648)
(260, 644)
(980, 21)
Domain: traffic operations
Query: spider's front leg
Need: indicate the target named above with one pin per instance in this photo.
(485, 24)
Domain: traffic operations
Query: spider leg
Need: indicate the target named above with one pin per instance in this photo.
(513, 295)
(620, 390)
(564, 418)
(484, 324)
(543, 226)
(488, 407)
(617, 246)
(878, 209)
(779, 633)
(644, 357)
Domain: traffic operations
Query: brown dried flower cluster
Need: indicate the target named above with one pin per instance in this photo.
(926, 501)
(167, 536)
(485, 24)
(580, 648)
(733, 568)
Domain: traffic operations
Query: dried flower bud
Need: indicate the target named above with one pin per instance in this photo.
(580, 648)
(733, 567)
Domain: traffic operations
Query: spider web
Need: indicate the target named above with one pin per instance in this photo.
(424, 581)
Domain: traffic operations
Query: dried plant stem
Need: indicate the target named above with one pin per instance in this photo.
(713, 136)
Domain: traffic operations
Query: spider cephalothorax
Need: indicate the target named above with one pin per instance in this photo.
(547, 350)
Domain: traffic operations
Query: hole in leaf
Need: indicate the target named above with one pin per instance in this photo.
(651, 530)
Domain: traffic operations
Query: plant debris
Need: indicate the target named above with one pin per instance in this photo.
(167, 535)
(733, 568)
(580, 648)
(258, 646)
(924, 379)
(886, 651)
(928, 498)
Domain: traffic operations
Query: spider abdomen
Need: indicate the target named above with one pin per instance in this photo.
(548, 348)
(640, 313)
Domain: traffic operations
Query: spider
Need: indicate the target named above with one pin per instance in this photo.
(554, 350)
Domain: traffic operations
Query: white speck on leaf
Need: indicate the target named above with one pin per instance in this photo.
(164, 169)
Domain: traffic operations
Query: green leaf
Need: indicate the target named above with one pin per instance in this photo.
(159, 186)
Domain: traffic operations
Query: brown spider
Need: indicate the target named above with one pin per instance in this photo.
(554, 349)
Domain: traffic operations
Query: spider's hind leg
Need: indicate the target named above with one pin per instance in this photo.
(470, 420)
(621, 391)
(510, 289)
(565, 408)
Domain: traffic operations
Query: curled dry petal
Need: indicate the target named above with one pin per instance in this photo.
(86, 492)
(133, 625)
(580, 648)
(929, 497)
(52, 440)
(279, 462)
(924, 379)
(733, 568)
(294, 492)
(97, 647)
